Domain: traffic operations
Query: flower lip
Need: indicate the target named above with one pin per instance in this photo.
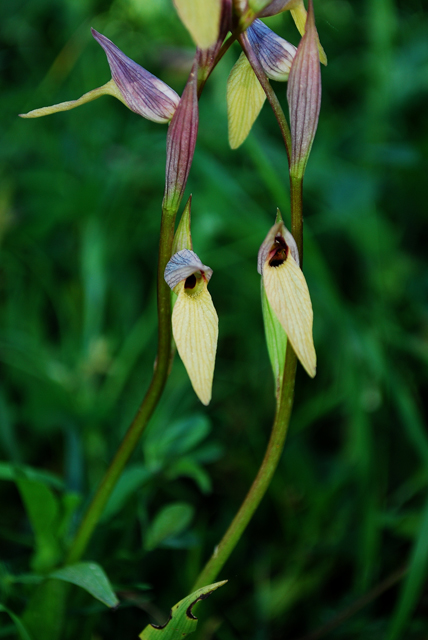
(142, 92)
(182, 266)
(275, 248)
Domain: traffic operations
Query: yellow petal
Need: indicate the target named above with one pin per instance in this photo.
(245, 98)
(195, 331)
(110, 89)
(288, 295)
(299, 16)
(202, 20)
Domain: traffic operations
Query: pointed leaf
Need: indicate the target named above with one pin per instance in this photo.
(43, 512)
(202, 20)
(181, 620)
(245, 98)
(170, 521)
(91, 577)
(195, 331)
(288, 295)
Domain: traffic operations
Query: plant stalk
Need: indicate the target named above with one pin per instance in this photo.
(270, 93)
(154, 392)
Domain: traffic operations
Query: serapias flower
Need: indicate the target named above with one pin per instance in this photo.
(245, 96)
(287, 292)
(138, 89)
(194, 319)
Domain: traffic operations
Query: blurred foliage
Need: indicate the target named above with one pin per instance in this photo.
(80, 196)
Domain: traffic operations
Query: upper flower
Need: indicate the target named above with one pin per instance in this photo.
(137, 88)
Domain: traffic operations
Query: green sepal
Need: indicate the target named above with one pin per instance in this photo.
(276, 340)
(181, 620)
(182, 238)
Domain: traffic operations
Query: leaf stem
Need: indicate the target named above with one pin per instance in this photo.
(160, 375)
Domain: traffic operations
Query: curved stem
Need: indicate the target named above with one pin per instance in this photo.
(270, 93)
(148, 405)
(262, 480)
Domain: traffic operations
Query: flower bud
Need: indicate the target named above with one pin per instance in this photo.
(181, 142)
(138, 89)
(202, 19)
(304, 97)
(287, 292)
(194, 319)
(275, 54)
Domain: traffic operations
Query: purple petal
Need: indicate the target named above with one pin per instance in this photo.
(181, 141)
(142, 91)
(275, 54)
(276, 7)
(304, 96)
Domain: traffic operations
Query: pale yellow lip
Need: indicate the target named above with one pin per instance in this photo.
(195, 331)
(288, 295)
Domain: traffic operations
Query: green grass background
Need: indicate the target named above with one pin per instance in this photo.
(80, 199)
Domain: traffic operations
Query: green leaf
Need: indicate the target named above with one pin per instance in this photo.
(43, 512)
(413, 583)
(188, 468)
(276, 340)
(91, 577)
(181, 621)
(44, 614)
(23, 633)
(175, 439)
(11, 471)
(169, 521)
(130, 480)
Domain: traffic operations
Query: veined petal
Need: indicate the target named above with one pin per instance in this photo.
(299, 14)
(288, 295)
(304, 97)
(275, 54)
(184, 264)
(195, 331)
(245, 98)
(141, 91)
(202, 20)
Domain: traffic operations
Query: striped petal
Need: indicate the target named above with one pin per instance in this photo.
(275, 54)
(195, 331)
(288, 295)
(245, 98)
(183, 264)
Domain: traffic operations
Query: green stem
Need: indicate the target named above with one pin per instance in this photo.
(296, 202)
(148, 405)
(262, 480)
(270, 93)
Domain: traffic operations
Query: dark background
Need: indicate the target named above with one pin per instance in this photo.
(80, 199)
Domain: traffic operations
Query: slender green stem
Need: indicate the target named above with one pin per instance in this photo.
(296, 200)
(148, 405)
(270, 93)
(262, 480)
